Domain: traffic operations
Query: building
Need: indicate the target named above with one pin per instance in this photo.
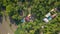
(49, 16)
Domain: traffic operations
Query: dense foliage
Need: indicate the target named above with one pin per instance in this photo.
(37, 7)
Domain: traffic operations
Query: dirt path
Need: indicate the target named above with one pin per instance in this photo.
(13, 26)
(5, 27)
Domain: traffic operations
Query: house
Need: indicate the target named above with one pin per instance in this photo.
(52, 10)
(56, 9)
(28, 18)
(53, 16)
(49, 16)
(45, 20)
(23, 20)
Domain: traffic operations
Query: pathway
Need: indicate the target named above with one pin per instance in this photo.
(5, 27)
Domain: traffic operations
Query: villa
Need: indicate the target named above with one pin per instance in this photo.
(49, 16)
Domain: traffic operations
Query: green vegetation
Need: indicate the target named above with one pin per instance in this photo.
(37, 7)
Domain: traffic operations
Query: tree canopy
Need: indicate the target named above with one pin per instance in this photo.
(37, 7)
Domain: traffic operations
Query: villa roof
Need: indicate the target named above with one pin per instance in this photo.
(47, 15)
(52, 10)
(53, 15)
(45, 20)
